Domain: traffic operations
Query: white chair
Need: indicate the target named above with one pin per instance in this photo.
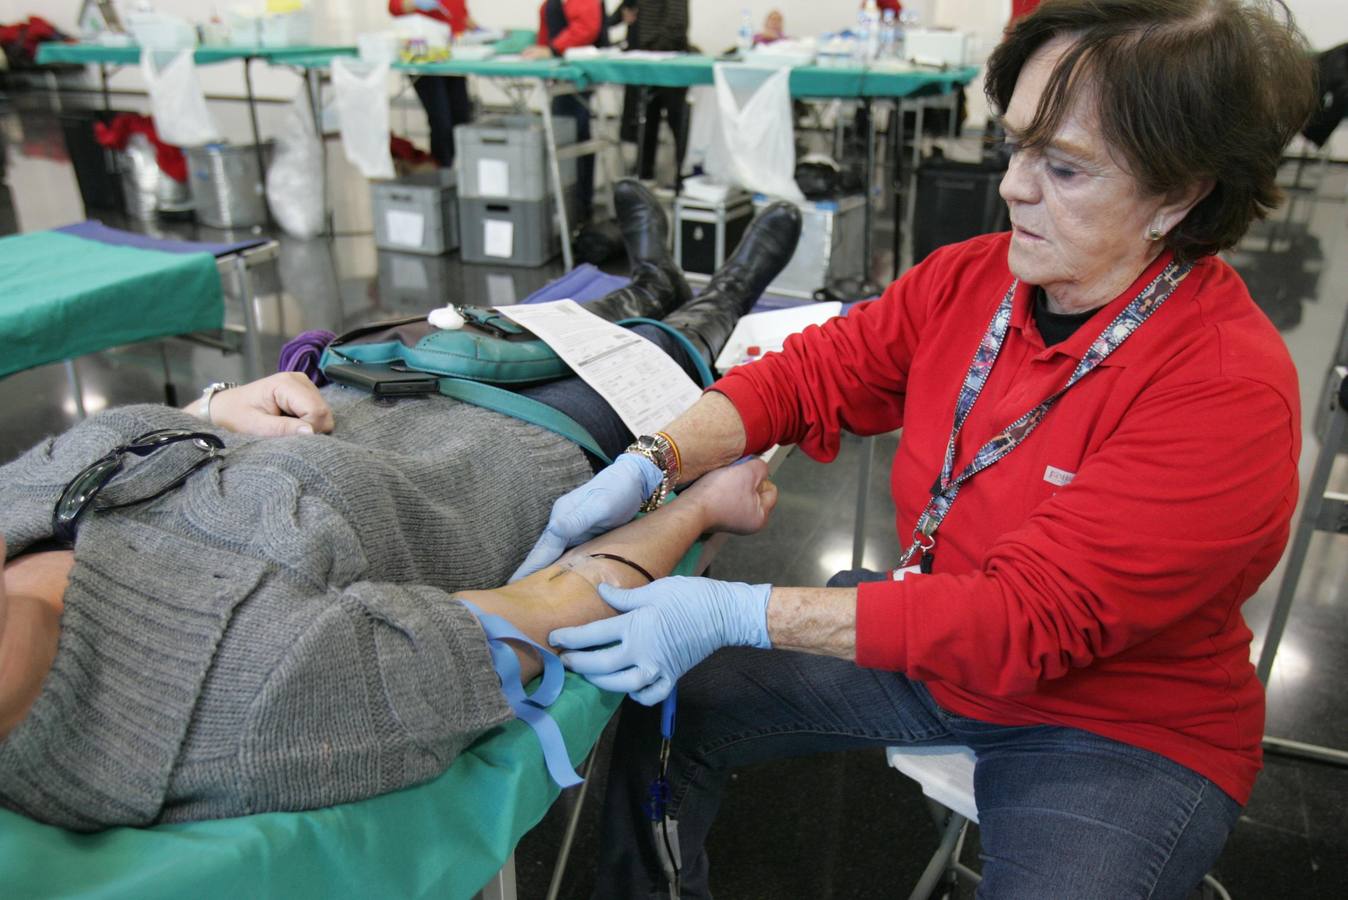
(946, 775)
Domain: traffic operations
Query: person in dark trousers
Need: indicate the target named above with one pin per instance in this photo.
(563, 24)
(655, 25)
(444, 98)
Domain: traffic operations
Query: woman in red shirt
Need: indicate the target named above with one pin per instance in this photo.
(1098, 468)
(445, 98)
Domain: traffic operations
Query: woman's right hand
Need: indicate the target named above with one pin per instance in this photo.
(738, 498)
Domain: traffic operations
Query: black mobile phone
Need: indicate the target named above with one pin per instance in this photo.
(383, 380)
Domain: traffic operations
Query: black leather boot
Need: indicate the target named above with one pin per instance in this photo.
(657, 284)
(766, 248)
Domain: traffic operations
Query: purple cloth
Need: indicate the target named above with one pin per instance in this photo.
(582, 284)
(94, 230)
(585, 283)
(302, 353)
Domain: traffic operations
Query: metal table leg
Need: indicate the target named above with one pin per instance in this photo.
(863, 500)
(76, 388)
(555, 171)
(643, 100)
(257, 134)
(1320, 511)
(313, 81)
(870, 176)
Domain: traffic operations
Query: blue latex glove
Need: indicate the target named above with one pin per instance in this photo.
(426, 5)
(667, 627)
(601, 504)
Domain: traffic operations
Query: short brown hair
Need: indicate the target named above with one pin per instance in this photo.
(1187, 90)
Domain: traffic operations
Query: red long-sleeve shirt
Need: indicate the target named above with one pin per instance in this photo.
(584, 19)
(1094, 576)
(453, 13)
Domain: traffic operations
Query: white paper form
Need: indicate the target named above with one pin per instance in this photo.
(645, 387)
(405, 228)
(493, 178)
(498, 238)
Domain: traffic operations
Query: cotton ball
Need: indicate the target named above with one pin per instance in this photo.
(446, 318)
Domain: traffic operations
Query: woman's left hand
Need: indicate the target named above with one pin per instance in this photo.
(282, 404)
(537, 51)
(665, 629)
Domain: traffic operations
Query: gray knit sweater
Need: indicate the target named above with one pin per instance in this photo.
(277, 633)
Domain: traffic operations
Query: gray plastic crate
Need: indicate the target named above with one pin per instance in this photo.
(416, 213)
(506, 157)
(832, 246)
(511, 232)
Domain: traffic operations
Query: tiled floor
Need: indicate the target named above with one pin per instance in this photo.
(844, 826)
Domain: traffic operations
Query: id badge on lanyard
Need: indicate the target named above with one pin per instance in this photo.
(947, 488)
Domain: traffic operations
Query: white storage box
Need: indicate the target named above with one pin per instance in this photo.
(766, 332)
(832, 246)
(155, 31)
(417, 213)
(506, 157)
(292, 29)
(937, 47)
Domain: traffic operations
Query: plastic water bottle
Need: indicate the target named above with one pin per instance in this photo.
(870, 33)
(745, 39)
(889, 35)
(859, 40)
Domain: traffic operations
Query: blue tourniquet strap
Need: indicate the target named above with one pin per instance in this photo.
(530, 707)
(521, 407)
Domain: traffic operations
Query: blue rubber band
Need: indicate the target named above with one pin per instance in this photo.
(530, 708)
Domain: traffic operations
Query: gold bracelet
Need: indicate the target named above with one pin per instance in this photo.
(678, 457)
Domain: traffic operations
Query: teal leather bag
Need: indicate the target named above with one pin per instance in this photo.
(490, 350)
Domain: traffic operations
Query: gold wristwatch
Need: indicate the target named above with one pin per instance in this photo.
(659, 449)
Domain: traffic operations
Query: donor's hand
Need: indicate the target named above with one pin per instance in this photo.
(282, 404)
(738, 498)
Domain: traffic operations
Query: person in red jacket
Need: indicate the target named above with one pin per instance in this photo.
(563, 24)
(1098, 467)
(445, 98)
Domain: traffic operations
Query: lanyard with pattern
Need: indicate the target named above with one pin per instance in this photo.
(1009, 438)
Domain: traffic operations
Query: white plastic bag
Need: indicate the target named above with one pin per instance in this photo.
(176, 98)
(362, 111)
(754, 142)
(295, 177)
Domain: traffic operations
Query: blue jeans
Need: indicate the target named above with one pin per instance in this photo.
(1062, 812)
(581, 402)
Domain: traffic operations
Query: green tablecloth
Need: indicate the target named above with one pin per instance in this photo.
(121, 56)
(444, 839)
(552, 69)
(65, 296)
(678, 71)
(514, 41)
(806, 81)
